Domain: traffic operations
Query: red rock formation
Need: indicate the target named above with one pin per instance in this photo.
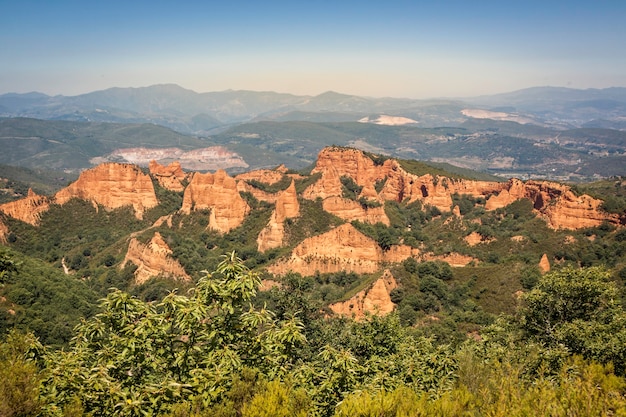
(400, 185)
(287, 207)
(475, 238)
(27, 209)
(153, 260)
(329, 185)
(217, 192)
(398, 253)
(352, 163)
(515, 190)
(374, 300)
(341, 249)
(169, 177)
(112, 186)
(544, 264)
(352, 210)
(555, 203)
(266, 176)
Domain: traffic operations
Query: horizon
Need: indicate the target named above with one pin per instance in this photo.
(308, 95)
(399, 49)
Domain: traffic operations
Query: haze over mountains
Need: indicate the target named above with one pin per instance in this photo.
(188, 111)
(558, 133)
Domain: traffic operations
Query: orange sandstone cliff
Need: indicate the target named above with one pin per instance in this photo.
(153, 260)
(169, 177)
(343, 248)
(27, 209)
(217, 192)
(374, 300)
(267, 176)
(554, 202)
(544, 264)
(287, 207)
(112, 185)
(353, 210)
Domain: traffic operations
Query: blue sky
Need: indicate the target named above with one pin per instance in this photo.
(394, 48)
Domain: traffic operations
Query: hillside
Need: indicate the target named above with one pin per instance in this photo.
(73, 146)
(338, 228)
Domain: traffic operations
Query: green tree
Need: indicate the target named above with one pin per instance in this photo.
(8, 267)
(136, 358)
(19, 376)
(580, 309)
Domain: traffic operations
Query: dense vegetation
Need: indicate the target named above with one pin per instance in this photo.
(212, 352)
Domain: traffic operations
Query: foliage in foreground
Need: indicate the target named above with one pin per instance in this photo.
(212, 353)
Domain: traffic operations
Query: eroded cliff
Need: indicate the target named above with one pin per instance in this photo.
(27, 209)
(170, 177)
(556, 203)
(153, 259)
(218, 193)
(375, 299)
(112, 186)
(343, 248)
(287, 207)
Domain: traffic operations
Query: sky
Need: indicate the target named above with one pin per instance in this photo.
(413, 49)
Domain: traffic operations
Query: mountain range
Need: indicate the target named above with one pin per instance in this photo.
(546, 132)
(190, 112)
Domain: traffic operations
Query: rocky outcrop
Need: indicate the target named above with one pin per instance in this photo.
(244, 187)
(544, 264)
(452, 259)
(399, 185)
(353, 210)
(266, 176)
(153, 259)
(27, 209)
(112, 186)
(218, 193)
(287, 207)
(555, 203)
(513, 191)
(169, 177)
(329, 185)
(375, 300)
(343, 248)
(475, 238)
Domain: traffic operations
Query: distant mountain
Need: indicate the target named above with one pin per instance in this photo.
(566, 105)
(187, 111)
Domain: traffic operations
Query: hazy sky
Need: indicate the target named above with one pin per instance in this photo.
(414, 49)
